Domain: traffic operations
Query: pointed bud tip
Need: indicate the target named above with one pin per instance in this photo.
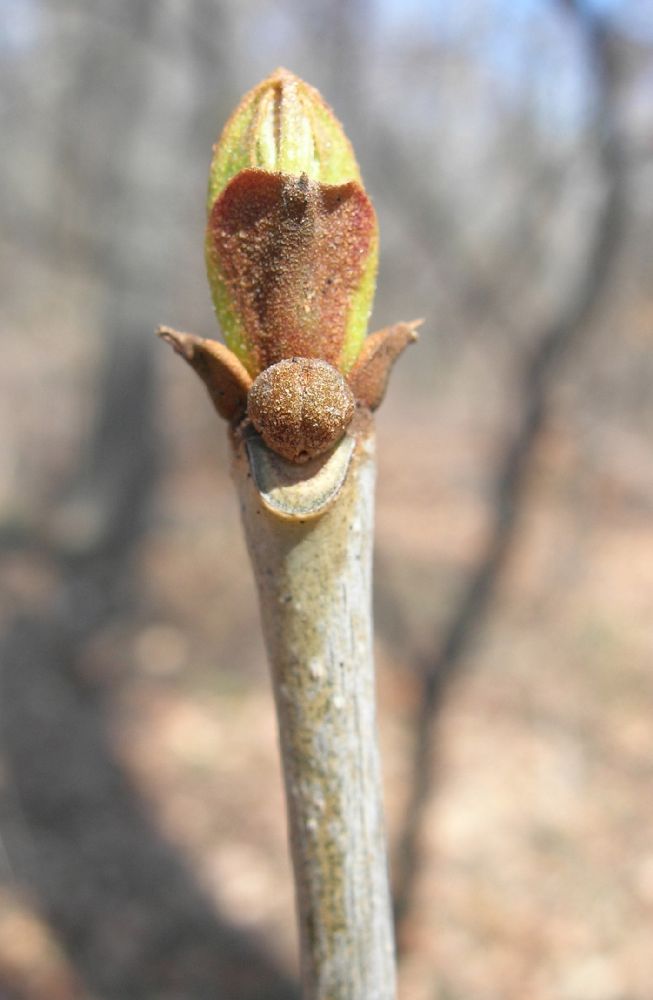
(282, 125)
(280, 74)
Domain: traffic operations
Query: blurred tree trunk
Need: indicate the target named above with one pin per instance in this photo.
(539, 377)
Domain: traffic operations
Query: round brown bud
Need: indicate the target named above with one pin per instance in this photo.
(300, 407)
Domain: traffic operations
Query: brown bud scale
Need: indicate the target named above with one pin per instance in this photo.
(301, 407)
(292, 253)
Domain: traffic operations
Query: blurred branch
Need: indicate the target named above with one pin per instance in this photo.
(536, 384)
(122, 901)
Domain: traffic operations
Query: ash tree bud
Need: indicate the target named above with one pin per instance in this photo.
(291, 253)
(292, 238)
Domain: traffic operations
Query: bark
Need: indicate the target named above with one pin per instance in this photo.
(314, 582)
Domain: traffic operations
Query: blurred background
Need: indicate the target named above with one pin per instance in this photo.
(507, 145)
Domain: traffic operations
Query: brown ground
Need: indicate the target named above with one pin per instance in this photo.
(537, 872)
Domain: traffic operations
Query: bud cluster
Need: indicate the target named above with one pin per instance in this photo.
(291, 253)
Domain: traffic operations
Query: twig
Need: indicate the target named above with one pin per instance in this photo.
(314, 583)
(291, 247)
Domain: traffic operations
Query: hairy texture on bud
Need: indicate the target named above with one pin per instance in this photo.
(289, 263)
(285, 131)
(301, 407)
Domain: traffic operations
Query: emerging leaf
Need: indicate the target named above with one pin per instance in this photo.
(284, 126)
(292, 239)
